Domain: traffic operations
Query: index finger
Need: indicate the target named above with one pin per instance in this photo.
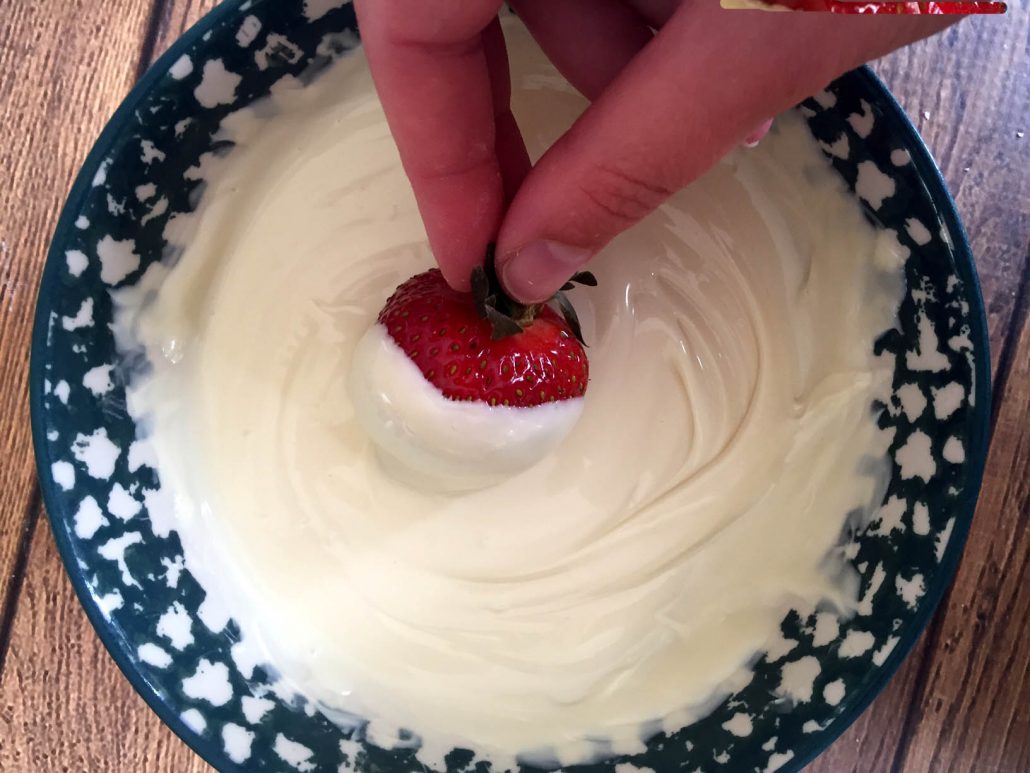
(431, 69)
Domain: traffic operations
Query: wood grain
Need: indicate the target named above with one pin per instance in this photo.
(57, 87)
(952, 706)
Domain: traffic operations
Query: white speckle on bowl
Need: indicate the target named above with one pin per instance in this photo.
(856, 643)
(88, 518)
(236, 741)
(248, 31)
(82, 222)
(217, 86)
(115, 207)
(83, 317)
(316, 9)
(739, 725)
(76, 260)
(947, 399)
(255, 708)
(941, 541)
(121, 504)
(890, 516)
(161, 509)
(872, 185)
(920, 519)
(63, 474)
(97, 452)
(98, 380)
(432, 757)
(149, 152)
(862, 122)
(154, 655)
(245, 657)
(865, 606)
(900, 157)
(100, 177)
(213, 614)
(920, 233)
(182, 68)
(954, 451)
(194, 720)
(62, 390)
(915, 457)
(910, 590)
(141, 453)
(779, 647)
(827, 628)
(210, 682)
(176, 626)
(118, 259)
(839, 148)
(826, 99)
(109, 602)
(890, 254)
(797, 679)
(114, 550)
(173, 568)
(811, 726)
(279, 46)
(960, 343)
(159, 208)
(777, 760)
(293, 753)
(833, 693)
(144, 192)
(881, 655)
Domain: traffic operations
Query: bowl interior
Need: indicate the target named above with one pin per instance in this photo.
(109, 512)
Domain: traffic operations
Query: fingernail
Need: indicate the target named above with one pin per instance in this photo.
(760, 131)
(535, 272)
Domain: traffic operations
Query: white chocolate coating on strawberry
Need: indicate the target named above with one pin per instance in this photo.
(439, 444)
(612, 588)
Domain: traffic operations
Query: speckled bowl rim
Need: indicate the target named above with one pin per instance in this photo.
(209, 749)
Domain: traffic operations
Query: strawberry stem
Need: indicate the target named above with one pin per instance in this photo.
(507, 316)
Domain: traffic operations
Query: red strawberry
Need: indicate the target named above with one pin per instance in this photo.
(483, 346)
(886, 7)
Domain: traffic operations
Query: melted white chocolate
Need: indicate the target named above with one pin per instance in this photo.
(440, 444)
(617, 586)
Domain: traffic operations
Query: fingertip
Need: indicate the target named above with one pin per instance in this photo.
(535, 271)
(756, 135)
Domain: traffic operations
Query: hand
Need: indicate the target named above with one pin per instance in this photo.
(666, 105)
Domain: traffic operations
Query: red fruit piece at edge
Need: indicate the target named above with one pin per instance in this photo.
(441, 331)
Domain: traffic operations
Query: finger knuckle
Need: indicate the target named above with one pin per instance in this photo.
(623, 195)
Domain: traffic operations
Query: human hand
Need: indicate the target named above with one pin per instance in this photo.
(666, 105)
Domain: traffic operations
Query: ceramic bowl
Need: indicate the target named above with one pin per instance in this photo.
(104, 496)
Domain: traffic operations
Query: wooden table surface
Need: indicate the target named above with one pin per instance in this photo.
(961, 702)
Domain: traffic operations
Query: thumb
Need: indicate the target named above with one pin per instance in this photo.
(676, 108)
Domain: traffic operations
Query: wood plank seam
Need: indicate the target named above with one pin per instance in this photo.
(156, 20)
(1010, 343)
(10, 603)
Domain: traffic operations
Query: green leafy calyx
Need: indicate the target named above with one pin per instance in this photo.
(507, 316)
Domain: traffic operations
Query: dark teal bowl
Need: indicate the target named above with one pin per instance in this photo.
(126, 569)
